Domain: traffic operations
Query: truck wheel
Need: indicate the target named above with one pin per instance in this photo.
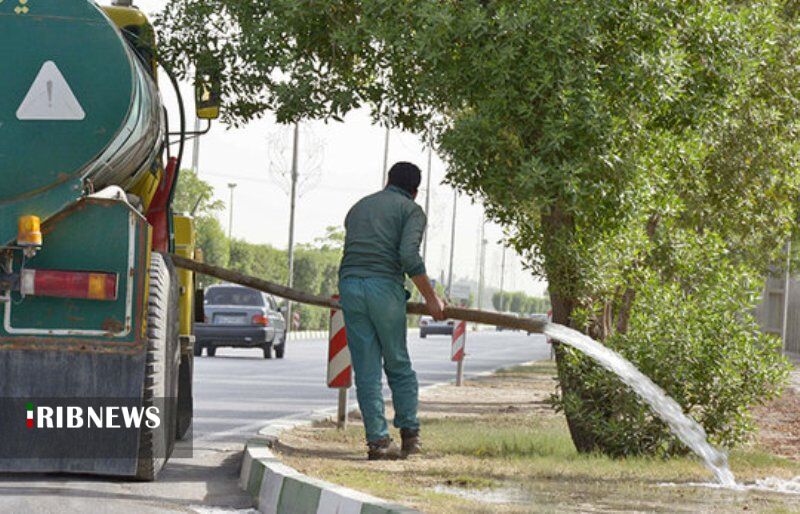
(422, 335)
(279, 350)
(267, 350)
(198, 349)
(161, 368)
(211, 350)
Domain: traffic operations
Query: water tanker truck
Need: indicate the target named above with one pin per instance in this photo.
(95, 332)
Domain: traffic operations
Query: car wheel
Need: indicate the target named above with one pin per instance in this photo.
(279, 350)
(267, 350)
(198, 349)
(211, 350)
(422, 335)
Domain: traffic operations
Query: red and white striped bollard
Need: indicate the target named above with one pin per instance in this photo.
(457, 350)
(340, 367)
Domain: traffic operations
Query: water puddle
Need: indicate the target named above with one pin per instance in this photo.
(497, 496)
(764, 485)
(603, 496)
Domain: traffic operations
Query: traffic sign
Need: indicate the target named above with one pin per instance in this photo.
(50, 98)
(460, 291)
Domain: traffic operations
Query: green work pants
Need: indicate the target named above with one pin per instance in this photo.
(375, 321)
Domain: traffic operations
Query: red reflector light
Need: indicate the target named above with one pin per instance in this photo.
(260, 319)
(69, 284)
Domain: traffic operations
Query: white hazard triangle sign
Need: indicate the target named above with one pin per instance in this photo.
(50, 98)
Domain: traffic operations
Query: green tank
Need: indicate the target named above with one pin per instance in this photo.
(78, 111)
(89, 297)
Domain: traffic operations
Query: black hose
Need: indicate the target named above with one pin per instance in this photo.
(182, 112)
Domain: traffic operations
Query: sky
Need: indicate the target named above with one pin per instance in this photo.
(341, 162)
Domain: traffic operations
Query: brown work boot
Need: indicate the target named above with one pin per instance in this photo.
(411, 444)
(383, 449)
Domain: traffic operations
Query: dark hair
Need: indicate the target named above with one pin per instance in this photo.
(405, 176)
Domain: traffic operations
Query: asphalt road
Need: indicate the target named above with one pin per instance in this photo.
(236, 393)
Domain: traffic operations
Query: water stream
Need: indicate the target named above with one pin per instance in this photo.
(685, 428)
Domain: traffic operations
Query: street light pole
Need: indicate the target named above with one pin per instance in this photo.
(427, 203)
(452, 244)
(386, 155)
(196, 147)
(502, 279)
(482, 262)
(231, 186)
(292, 204)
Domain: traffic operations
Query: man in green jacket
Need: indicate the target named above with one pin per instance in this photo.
(383, 235)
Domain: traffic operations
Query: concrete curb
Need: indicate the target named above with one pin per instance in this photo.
(302, 335)
(279, 489)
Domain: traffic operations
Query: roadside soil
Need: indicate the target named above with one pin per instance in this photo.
(494, 445)
(779, 422)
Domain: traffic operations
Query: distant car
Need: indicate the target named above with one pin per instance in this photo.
(428, 325)
(508, 313)
(240, 317)
(544, 318)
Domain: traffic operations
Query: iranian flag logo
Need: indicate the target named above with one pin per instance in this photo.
(29, 408)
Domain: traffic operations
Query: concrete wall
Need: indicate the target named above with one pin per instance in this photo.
(770, 312)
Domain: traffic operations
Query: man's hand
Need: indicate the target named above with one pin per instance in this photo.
(436, 307)
(434, 303)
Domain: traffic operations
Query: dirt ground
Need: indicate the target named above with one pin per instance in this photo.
(494, 445)
(779, 422)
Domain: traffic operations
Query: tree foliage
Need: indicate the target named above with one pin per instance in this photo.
(519, 302)
(632, 149)
(195, 196)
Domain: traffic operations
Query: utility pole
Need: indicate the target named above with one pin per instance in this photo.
(292, 203)
(502, 279)
(196, 147)
(231, 186)
(452, 244)
(482, 262)
(427, 203)
(386, 155)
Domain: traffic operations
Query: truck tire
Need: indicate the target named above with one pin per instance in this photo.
(174, 348)
(161, 368)
(198, 349)
(211, 350)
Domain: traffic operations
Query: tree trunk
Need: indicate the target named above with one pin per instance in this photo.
(582, 436)
(562, 276)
